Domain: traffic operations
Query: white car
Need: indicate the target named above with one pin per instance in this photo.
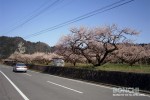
(21, 67)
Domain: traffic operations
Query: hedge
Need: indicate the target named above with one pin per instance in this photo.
(125, 79)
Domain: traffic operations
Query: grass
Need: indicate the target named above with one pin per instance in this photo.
(115, 67)
(125, 68)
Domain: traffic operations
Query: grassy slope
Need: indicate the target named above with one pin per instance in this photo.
(125, 68)
(116, 67)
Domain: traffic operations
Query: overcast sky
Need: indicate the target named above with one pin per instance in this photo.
(25, 17)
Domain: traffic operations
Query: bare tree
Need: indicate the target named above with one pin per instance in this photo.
(97, 43)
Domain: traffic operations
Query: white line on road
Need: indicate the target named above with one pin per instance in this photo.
(27, 74)
(20, 92)
(65, 87)
(92, 84)
(108, 87)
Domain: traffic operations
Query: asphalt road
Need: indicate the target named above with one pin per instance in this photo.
(38, 86)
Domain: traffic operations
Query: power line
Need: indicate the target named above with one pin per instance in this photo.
(25, 17)
(35, 15)
(90, 14)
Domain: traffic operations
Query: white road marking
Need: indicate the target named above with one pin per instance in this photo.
(65, 87)
(79, 81)
(83, 82)
(107, 87)
(20, 92)
(27, 74)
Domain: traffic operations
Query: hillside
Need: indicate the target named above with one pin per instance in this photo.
(8, 46)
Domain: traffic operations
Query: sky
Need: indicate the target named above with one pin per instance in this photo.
(25, 17)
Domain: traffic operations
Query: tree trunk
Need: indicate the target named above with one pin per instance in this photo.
(74, 63)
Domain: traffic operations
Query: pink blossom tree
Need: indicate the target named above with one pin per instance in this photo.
(95, 44)
(130, 53)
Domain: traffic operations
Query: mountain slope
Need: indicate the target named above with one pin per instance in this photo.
(8, 45)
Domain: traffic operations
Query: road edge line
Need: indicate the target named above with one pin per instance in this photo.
(19, 91)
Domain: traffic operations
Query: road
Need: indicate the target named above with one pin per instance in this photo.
(39, 86)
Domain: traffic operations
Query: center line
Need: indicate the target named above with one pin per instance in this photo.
(65, 87)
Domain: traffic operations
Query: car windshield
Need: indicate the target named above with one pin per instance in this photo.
(20, 64)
